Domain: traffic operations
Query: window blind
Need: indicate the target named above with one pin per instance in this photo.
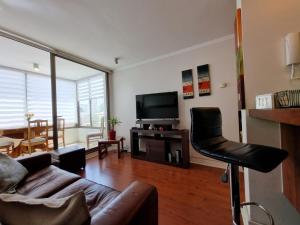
(12, 99)
(39, 96)
(97, 93)
(83, 91)
(92, 99)
(66, 101)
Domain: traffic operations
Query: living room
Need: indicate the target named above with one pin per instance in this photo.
(134, 48)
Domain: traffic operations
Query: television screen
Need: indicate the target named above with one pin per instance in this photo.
(157, 106)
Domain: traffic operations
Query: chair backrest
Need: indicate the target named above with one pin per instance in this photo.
(206, 124)
(37, 128)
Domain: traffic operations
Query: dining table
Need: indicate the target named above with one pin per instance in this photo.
(15, 135)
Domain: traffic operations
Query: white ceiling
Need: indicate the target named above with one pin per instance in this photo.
(134, 30)
(19, 56)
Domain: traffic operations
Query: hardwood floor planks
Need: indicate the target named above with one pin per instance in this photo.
(192, 196)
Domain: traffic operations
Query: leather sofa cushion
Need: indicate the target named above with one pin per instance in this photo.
(11, 173)
(43, 211)
(97, 196)
(45, 182)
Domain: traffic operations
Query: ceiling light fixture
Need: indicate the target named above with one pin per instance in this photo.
(36, 67)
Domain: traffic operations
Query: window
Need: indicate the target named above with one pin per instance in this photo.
(22, 92)
(92, 100)
(39, 96)
(66, 101)
(12, 99)
(84, 102)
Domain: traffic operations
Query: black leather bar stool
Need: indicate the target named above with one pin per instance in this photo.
(207, 139)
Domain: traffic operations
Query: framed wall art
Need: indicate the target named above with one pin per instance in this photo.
(203, 80)
(187, 84)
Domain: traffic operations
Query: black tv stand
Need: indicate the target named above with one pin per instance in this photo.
(169, 147)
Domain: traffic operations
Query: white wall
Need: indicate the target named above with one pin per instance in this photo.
(265, 23)
(164, 74)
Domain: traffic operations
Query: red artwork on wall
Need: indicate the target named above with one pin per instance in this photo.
(187, 84)
(203, 80)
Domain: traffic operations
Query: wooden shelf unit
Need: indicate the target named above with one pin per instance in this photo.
(158, 146)
(289, 120)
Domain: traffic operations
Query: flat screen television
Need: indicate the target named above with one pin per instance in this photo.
(157, 106)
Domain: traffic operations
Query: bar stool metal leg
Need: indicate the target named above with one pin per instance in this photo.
(235, 194)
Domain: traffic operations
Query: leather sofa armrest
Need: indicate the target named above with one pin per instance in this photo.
(137, 204)
(36, 162)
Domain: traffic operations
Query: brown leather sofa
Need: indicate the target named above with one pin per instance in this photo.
(136, 205)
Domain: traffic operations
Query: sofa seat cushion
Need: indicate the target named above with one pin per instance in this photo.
(97, 196)
(45, 182)
(42, 211)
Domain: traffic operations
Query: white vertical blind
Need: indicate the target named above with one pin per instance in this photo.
(39, 96)
(97, 86)
(21, 93)
(91, 98)
(97, 93)
(66, 101)
(83, 91)
(12, 99)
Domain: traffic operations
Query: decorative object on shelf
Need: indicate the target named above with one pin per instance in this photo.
(178, 156)
(287, 99)
(239, 59)
(292, 53)
(187, 84)
(170, 157)
(203, 80)
(112, 132)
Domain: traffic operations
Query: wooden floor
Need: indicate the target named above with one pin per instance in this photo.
(192, 196)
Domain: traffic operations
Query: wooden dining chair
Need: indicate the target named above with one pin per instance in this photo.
(37, 136)
(60, 131)
(95, 136)
(6, 147)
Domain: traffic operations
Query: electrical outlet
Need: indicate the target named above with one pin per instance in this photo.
(265, 101)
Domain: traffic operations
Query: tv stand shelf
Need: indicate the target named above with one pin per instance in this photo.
(169, 147)
(161, 122)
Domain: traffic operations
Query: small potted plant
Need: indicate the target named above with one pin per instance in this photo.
(112, 132)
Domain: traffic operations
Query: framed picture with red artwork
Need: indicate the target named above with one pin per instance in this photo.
(203, 80)
(187, 84)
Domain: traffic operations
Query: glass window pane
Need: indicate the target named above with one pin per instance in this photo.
(39, 101)
(84, 110)
(12, 99)
(66, 101)
(85, 87)
(98, 111)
